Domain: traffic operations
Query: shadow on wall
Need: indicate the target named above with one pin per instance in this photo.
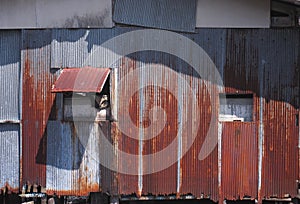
(261, 61)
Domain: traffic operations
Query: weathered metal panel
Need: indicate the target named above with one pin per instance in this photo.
(248, 60)
(164, 14)
(264, 63)
(122, 141)
(10, 156)
(239, 160)
(200, 177)
(37, 101)
(165, 96)
(279, 60)
(73, 157)
(69, 48)
(233, 14)
(56, 14)
(86, 79)
(10, 58)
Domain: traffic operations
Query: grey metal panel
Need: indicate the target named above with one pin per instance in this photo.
(10, 156)
(165, 14)
(69, 48)
(10, 75)
(233, 14)
(55, 14)
(72, 158)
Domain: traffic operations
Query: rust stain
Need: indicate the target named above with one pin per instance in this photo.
(200, 177)
(125, 143)
(163, 181)
(8, 189)
(37, 101)
(239, 160)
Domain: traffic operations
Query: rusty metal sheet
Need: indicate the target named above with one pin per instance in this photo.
(239, 160)
(259, 62)
(165, 181)
(122, 141)
(37, 101)
(10, 157)
(281, 99)
(86, 79)
(264, 63)
(200, 177)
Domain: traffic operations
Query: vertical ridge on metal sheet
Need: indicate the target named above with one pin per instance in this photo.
(10, 156)
(10, 58)
(37, 102)
(163, 14)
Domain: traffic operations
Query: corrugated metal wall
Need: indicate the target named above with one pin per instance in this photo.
(10, 58)
(262, 62)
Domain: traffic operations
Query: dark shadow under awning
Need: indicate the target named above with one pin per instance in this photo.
(86, 79)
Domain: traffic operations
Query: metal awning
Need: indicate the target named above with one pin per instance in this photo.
(86, 79)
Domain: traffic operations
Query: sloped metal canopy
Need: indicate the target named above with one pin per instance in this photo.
(87, 79)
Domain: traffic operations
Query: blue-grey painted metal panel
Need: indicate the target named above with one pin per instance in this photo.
(69, 48)
(165, 14)
(10, 156)
(72, 158)
(10, 75)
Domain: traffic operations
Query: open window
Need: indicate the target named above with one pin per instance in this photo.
(236, 107)
(86, 93)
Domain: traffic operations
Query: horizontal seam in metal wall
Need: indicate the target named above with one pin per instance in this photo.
(10, 121)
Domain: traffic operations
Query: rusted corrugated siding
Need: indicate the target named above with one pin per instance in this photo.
(127, 184)
(86, 79)
(280, 61)
(259, 62)
(239, 160)
(200, 177)
(37, 101)
(264, 63)
(165, 181)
